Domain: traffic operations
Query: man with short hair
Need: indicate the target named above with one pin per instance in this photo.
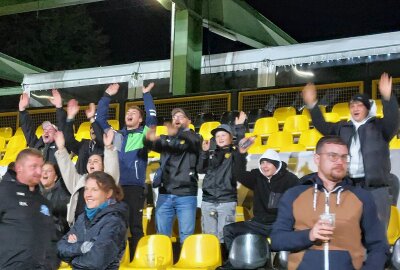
(177, 175)
(268, 182)
(367, 138)
(355, 237)
(46, 142)
(132, 154)
(27, 230)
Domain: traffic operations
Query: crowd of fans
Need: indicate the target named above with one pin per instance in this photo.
(52, 209)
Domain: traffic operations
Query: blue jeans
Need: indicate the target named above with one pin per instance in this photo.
(184, 207)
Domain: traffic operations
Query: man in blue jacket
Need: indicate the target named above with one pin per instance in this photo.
(132, 154)
(355, 238)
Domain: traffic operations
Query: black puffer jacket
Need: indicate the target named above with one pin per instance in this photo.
(267, 193)
(106, 233)
(374, 135)
(179, 155)
(218, 184)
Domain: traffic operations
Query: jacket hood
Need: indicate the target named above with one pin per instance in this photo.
(272, 156)
(119, 208)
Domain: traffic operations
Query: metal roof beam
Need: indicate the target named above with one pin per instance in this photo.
(12, 69)
(8, 7)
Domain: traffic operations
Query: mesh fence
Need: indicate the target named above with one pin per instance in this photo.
(270, 99)
(395, 89)
(215, 104)
(9, 120)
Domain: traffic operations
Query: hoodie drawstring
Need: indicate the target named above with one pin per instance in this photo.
(327, 194)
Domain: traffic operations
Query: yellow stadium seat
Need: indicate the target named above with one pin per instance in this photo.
(16, 142)
(83, 131)
(199, 251)
(264, 127)
(39, 131)
(283, 112)
(306, 112)
(309, 138)
(152, 252)
(296, 124)
(393, 231)
(294, 147)
(331, 117)
(191, 126)
(206, 128)
(2, 144)
(379, 108)
(242, 214)
(19, 132)
(6, 132)
(114, 123)
(64, 266)
(279, 139)
(257, 148)
(394, 143)
(125, 260)
(342, 109)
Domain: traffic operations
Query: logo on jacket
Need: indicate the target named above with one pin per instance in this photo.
(44, 210)
(23, 203)
(182, 142)
(227, 155)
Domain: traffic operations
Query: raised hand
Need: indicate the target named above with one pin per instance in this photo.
(151, 134)
(309, 93)
(112, 89)
(56, 100)
(385, 86)
(59, 140)
(245, 144)
(108, 137)
(23, 102)
(205, 145)
(241, 118)
(147, 88)
(72, 108)
(90, 111)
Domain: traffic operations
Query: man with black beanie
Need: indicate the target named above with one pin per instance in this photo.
(268, 182)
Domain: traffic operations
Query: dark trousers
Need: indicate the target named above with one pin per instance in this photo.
(134, 198)
(249, 226)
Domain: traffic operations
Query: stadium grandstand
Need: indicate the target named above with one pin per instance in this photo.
(265, 82)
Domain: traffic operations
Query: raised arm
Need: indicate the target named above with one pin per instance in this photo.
(26, 121)
(309, 93)
(390, 118)
(67, 167)
(204, 157)
(104, 104)
(71, 143)
(61, 115)
(150, 108)
(239, 172)
(111, 161)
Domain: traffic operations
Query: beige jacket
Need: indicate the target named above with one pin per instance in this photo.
(75, 181)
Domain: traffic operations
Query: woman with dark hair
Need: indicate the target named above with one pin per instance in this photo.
(53, 189)
(98, 237)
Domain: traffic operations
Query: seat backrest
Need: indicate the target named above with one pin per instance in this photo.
(161, 130)
(393, 231)
(342, 109)
(249, 251)
(265, 126)
(6, 132)
(39, 131)
(394, 143)
(2, 143)
(296, 124)
(294, 147)
(278, 139)
(309, 138)
(153, 251)
(283, 112)
(16, 142)
(306, 112)
(200, 250)
(83, 131)
(331, 117)
(113, 123)
(206, 128)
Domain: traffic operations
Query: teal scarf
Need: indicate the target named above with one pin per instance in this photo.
(91, 212)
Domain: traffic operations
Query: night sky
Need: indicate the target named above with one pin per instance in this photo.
(139, 30)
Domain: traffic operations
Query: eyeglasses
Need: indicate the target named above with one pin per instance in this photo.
(335, 157)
